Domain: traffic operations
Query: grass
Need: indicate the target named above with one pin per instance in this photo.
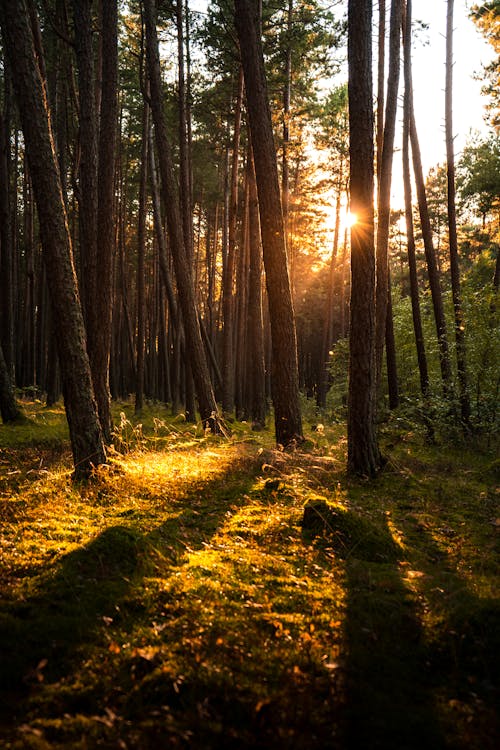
(180, 601)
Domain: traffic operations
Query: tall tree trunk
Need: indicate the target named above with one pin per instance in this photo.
(87, 193)
(380, 84)
(100, 336)
(184, 156)
(287, 93)
(430, 255)
(255, 326)
(390, 349)
(141, 249)
(6, 254)
(81, 410)
(452, 226)
(329, 334)
(363, 452)
(410, 236)
(285, 380)
(201, 374)
(185, 187)
(228, 360)
(384, 186)
(9, 410)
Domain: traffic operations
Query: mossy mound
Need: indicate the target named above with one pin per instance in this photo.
(348, 533)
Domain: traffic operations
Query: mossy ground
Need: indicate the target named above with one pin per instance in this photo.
(176, 601)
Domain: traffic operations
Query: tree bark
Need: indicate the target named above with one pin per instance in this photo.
(380, 84)
(228, 360)
(81, 411)
(410, 236)
(452, 226)
(100, 336)
(6, 254)
(185, 188)
(141, 249)
(206, 399)
(285, 381)
(384, 184)
(363, 452)
(87, 194)
(255, 325)
(9, 410)
(430, 255)
(287, 93)
(330, 332)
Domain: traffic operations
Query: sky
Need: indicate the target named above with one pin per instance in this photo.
(471, 51)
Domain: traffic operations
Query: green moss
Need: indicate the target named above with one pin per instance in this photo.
(179, 601)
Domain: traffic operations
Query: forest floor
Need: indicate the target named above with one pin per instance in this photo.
(177, 601)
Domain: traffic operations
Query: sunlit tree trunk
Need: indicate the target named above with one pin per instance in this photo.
(363, 452)
(81, 410)
(452, 225)
(285, 385)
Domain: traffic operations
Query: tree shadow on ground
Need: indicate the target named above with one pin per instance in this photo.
(387, 702)
(50, 625)
(463, 648)
(410, 686)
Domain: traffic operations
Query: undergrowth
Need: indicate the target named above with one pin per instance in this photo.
(179, 600)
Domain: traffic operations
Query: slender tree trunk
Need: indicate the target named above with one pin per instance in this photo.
(380, 84)
(81, 410)
(412, 262)
(363, 452)
(384, 186)
(141, 249)
(329, 333)
(100, 335)
(184, 156)
(255, 326)
(201, 374)
(390, 349)
(452, 226)
(287, 92)
(285, 382)
(430, 255)
(228, 360)
(6, 254)
(185, 189)
(87, 194)
(344, 281)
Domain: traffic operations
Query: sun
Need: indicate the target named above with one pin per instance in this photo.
(350, 219)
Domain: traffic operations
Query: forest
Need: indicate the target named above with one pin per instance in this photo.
(249, 347)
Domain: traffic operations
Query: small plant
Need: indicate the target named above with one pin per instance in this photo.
(127, 436)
